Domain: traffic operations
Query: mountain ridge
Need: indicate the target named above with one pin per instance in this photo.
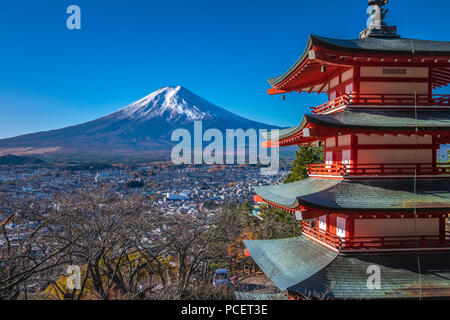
(142, 127)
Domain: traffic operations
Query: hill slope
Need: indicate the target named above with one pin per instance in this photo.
(143, 127)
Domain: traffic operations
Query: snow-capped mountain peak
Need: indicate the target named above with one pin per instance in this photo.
(143, 127)
(173, 103)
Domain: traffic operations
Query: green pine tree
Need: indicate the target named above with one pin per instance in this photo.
(305, 155)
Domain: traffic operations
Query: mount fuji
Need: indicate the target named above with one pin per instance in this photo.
(141, 128)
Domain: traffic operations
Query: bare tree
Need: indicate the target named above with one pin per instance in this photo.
(126, 249)
(30, 246)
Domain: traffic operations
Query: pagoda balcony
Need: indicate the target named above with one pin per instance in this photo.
(377, 243)
(377, 100)
(378, 170)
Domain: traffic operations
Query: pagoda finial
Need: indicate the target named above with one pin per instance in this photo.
(376, 27)
(380, 4)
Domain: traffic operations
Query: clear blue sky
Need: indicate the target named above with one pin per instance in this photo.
(224, 51)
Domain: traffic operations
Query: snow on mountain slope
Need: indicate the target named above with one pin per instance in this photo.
(143, 126)
(174, 103)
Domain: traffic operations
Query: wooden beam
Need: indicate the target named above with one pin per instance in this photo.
(273, 91)
(440, 77)
(314, 132)
(392, 79)
(322, 87)
(441, 72)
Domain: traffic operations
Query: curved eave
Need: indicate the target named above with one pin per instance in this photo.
(383, 120)
(398, 46)
(360, 196)
(277, 80)
(346, 276)
(374, 46)
(315, 127)
(288, 132)
(313, 210)
(290, 196)
(289, 261)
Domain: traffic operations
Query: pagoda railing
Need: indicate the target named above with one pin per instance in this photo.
(394, 242)
(380, 169)
(333, 104)
(382, 242)
(325, 237)
(383, 100)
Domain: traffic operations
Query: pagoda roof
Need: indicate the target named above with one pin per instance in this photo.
(372, 120)
(375, 46)
(289, 261)
(346, 276)
(302, 266)
(387, 45)
(360, 195)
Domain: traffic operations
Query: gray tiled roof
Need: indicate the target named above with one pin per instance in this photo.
(371, 45)
(355, 195)
(387, 45)
(346, 277)
(289, 261)
(382, 119)
(303, 266)
(259, 296)
(375, 120)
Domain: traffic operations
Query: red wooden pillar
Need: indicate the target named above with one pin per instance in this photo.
(350, 226)
(336, 156)
(430, 84)
(354, 149)
(332, 219)
(434, 149)
(356, 79)
(442, 228)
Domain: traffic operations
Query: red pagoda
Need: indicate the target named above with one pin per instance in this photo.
(374, 215)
